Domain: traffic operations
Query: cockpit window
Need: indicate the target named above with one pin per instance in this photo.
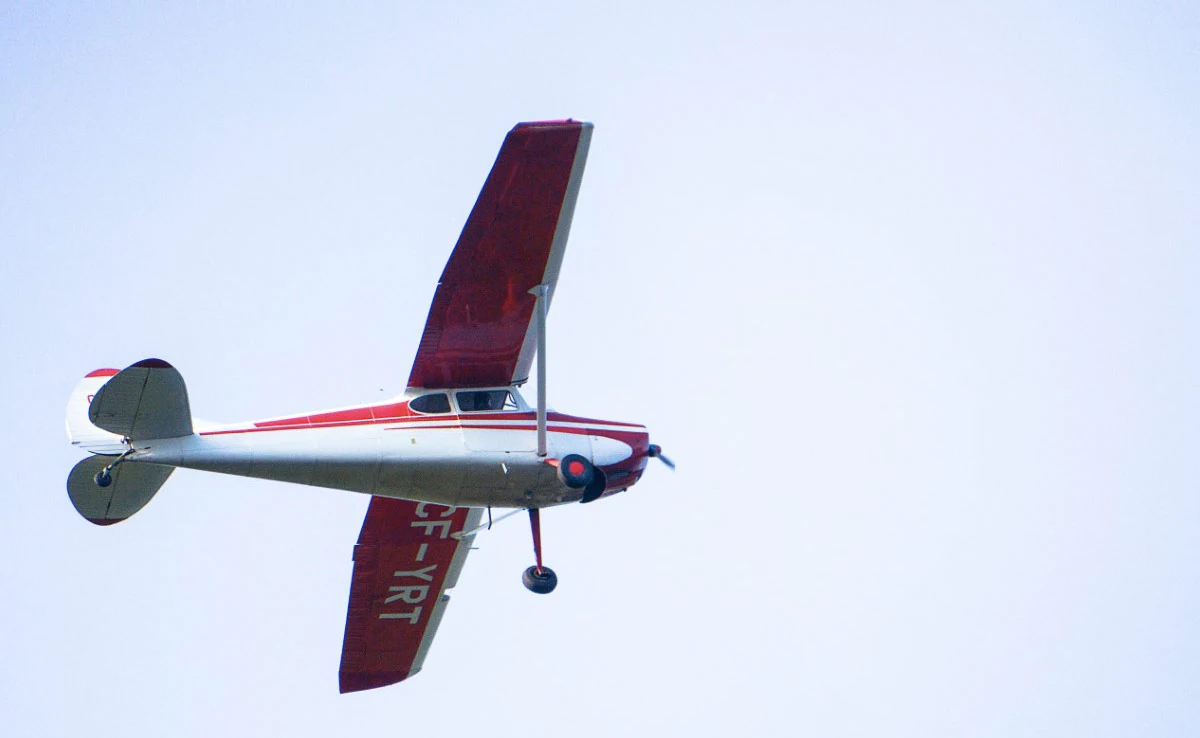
(437, 403)
(477, 401)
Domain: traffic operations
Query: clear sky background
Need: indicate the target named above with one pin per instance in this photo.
(908, 293)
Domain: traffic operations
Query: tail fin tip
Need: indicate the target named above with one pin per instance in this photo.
(152, 364)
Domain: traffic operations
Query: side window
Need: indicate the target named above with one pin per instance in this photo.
(478, 401)
(438, 403)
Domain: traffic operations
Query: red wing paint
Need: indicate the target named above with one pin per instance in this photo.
(478, 332)
(405, 559)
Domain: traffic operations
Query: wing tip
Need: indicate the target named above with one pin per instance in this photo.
(560, 123)
(360, 681)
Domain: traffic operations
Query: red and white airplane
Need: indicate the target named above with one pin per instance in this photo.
(459, 441)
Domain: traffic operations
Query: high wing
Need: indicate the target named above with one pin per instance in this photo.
(479, 331)
(406, 558)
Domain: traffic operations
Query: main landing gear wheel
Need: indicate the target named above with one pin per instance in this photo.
(537, 578)
(541, 582)
(102, 478)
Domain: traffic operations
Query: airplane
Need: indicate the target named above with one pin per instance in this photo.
(460, 441)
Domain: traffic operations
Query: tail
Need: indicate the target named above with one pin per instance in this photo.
(79, 427)
(108, 410)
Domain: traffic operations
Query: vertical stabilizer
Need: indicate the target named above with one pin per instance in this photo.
(80, 429)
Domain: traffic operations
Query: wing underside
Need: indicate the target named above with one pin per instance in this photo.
(479, 330)
(406, 558)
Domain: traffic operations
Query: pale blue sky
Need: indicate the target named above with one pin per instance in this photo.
(909, 294)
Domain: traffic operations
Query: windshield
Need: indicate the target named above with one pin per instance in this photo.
(437, 403)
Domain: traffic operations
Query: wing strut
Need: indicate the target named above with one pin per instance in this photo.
(542, 292)
(487, 525)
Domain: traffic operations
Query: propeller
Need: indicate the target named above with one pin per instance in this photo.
(655, 452)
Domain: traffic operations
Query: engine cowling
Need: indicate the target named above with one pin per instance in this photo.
(596, 487)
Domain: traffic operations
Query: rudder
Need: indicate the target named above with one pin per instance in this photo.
(80, 429)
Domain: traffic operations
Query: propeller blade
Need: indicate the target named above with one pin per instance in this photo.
(655, 451)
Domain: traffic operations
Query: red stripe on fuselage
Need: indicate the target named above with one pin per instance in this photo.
(417, 424)
(400, 413)
(372, 414)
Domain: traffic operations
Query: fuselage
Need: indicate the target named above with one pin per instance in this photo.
(473, 447)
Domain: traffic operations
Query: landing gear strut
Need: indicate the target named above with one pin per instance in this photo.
(538, 578)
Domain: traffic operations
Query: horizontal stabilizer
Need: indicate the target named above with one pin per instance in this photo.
(133, 484)
(146, 400)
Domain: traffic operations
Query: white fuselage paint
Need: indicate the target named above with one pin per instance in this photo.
(445, 462)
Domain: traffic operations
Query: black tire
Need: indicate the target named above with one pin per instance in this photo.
(103, 478)
(575, 471)
(542, 582)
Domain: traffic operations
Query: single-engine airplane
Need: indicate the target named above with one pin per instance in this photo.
(459, 441)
